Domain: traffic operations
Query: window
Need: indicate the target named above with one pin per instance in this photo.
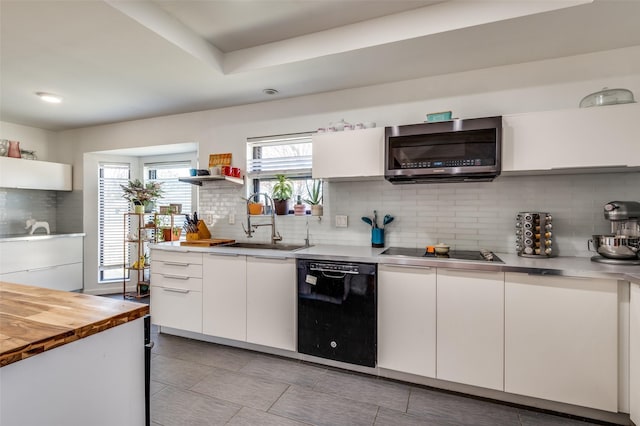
(174, 191)
(111, 226)
(286, 154)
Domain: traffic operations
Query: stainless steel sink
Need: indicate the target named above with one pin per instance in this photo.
(266, 246)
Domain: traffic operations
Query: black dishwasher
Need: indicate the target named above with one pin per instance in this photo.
(337, 308)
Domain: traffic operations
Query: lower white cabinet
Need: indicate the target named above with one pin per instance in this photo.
(176, 295)
(634, 358)
(561, 339)
(61, 277)
(50, 262)
(271, 302)
(224, 296)
(470, 330)
(407, 319)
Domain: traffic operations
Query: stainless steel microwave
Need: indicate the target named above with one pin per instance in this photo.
(446, 151)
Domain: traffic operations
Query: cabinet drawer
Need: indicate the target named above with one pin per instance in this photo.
(180, 310)
(176, 256)
(177, 282)
(173, 267)
(34, 254)
(62, 277)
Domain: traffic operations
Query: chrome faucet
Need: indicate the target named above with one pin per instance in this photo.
(250, 229)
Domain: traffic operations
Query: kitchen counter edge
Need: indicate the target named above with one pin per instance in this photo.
(37, 237)
(581, 267)
(75, 316)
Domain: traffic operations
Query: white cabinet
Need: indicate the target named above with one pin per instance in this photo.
(581, 137)
(470, 330)
(29, 174)
(561, 339)
(634, 357)
(271, 302)
(407, 319)
(348, 154)
(224, 296)
(176, 290)
(50, 262)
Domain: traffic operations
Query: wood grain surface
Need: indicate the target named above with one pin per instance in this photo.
(207, 242)
(35, 319)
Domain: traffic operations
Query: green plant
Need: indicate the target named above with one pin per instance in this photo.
(315, 193)
(139, 193)
(283, 189)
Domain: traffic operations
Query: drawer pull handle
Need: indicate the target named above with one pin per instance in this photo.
(176, 290)
(44, 268)
(224, 254)
(406, 266)
(270, 257)
(176, 277)
(176, 264)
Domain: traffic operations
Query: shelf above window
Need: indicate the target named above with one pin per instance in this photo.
(197, 180)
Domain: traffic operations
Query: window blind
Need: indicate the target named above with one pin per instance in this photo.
(285, 154)
(111, 226)
(174, 191)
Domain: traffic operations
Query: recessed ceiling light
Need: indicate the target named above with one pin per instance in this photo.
(49, 97)
(270, 91)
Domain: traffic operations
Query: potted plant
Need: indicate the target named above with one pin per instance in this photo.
(315, 197)
(281, 193)
(141, 195)
(171, 234)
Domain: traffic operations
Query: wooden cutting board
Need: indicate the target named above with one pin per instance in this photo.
(208, 242)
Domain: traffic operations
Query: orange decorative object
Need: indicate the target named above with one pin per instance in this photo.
(203, 232)
(219, 160)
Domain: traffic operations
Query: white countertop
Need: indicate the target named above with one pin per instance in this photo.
(38, 236)
(565, 266)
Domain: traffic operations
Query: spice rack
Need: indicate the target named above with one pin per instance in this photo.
(533, 234)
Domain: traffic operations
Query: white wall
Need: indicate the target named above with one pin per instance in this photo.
(544, 85)
(43, 142)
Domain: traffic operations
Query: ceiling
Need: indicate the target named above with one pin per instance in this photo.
(115, 60)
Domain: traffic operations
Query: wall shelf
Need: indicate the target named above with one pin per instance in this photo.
(198, 180)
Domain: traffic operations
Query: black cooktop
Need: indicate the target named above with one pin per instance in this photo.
(469, 255)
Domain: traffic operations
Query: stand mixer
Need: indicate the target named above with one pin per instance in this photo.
(622, 246)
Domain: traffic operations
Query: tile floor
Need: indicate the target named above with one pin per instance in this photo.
(199, 383)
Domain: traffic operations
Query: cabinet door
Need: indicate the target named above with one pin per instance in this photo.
(39, 253)
(271, 302)
(348, 154)
(224, 296)
(561, 339)
(470, 331)
(176, 308)
(61, 277)
(634, 357)
(580, 137)
(18, 173)
(407, 319)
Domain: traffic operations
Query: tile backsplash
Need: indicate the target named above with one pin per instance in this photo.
(56, 208)
(464, 215)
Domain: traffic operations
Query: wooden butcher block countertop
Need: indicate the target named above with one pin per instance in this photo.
(35, 319)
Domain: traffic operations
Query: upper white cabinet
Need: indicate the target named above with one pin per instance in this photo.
(30, 174)
(271, 302)
(348, 154)
(407, 319)
(470, 331)
(634, 358)
(596, 137)
(561, 339)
